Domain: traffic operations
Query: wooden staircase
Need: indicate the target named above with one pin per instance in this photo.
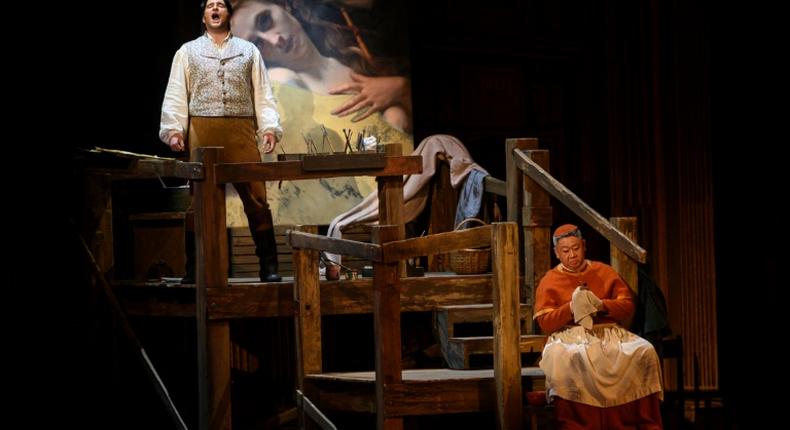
(465, 336)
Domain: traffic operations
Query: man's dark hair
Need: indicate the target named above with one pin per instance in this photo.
(228, 6)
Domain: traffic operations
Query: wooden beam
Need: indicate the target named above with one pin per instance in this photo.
(256, 300)
(170, 168)
(331, 395)
(436, 244)
(120, 166)
(346, 162)
(303, 403)
(390, 189)
(515, 183)
(386, 326)
(292, 170)
(580, 208)
(507, 327)
(536, 224)
(344, 297)
(368, 251)
(443, 200)
(219, 374)
(514, 192)
(463, 391)
(212, 258)
(441, 398)
(621, 262)
(307, 298)
(251, 301)
(495, 186)
(158, 309)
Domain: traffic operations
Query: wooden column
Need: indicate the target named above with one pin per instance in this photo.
(515, 199)
(536, 221)
(386, 316)
(307, 300)
(390, 189)
(213, 342)
(307, 303)
(507, 358)
(386, 293)
(444, 200)
(621, 262)
(514, 184)
(95, 218)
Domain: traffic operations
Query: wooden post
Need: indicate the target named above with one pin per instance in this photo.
(536, 221)
(514, 184)
(213, 340)
(307, 301)
(95, 220)
(621, 262)
(513, 177)
(307, 297)
(386, 316)
(507, 358)
(390, 189)
(444, 199)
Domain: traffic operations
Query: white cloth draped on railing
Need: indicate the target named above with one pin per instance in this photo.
(415, 187)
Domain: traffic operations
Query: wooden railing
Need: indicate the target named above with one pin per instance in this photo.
(212, 253)
(577, 205)
(529, 187)
(386, 253)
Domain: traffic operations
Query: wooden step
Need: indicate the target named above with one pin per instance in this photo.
(446, 318)
(459, 349)
(476, 317)
(451, 315)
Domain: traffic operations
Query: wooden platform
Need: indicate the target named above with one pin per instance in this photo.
(422, 392)
(426, 375)
(248, 298)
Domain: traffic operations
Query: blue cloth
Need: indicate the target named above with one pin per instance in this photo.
(471, 197)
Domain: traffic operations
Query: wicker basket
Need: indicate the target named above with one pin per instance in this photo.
(470, 261)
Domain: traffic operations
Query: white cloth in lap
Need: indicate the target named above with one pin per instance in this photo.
(603, 367)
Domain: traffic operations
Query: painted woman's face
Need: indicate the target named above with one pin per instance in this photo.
(276, 33)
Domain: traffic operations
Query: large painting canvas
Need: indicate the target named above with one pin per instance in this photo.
(340, 73)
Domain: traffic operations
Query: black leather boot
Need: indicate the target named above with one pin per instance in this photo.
(266, 250)
(189, 266)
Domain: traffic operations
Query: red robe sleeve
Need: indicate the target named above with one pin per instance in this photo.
(552, 309)
(621, 307)
(556, 319)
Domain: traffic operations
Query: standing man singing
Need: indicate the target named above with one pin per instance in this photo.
(219, 91)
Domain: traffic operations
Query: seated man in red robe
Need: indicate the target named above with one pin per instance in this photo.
(598, 374)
